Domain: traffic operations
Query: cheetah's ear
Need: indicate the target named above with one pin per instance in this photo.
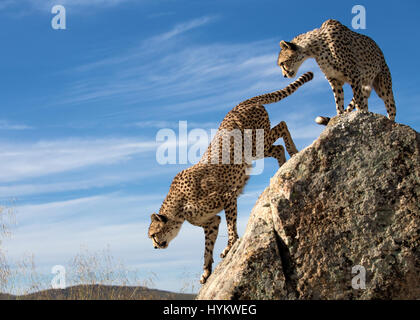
(159, 217)
(287, 45)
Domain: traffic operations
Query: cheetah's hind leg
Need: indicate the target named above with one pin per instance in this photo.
(366, 90)
(280, 131)
(277, 152)
(383, 87)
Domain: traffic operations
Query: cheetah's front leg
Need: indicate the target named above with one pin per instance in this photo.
(211, 229)
(231, 214)
(337, 88)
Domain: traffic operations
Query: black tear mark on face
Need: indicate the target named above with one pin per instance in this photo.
(159, 245)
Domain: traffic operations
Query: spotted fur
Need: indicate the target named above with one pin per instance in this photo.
(200, 192)
(345, 57)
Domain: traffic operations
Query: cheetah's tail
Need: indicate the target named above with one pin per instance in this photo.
(276, 96)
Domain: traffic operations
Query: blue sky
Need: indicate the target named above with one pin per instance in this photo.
(81, 107)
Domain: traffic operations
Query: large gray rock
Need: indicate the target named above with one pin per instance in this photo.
(350, 199)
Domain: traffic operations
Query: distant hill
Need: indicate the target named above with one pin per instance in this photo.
(101, 292)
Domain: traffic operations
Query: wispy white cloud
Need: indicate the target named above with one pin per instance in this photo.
(42, 4)
(200, 70)
(79, 183)
(87, 2)
(159, 124)
(147, 47)
(21, 8)
(6, 125)
(181, 28)
(20, 161)
(192, 77)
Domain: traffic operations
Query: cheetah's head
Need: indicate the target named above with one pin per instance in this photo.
(162, 230)
(290, 58)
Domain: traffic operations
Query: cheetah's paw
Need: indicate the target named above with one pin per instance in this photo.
(205, 276)
(225, 252)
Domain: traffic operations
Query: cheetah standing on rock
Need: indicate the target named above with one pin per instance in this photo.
(199, 193)
(345, 57)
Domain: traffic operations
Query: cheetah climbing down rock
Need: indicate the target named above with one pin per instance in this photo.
(345, 57)
(200, 192)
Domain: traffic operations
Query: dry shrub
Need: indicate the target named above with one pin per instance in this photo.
(7, 219)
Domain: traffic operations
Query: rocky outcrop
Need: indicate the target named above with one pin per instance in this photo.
(350, 199)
